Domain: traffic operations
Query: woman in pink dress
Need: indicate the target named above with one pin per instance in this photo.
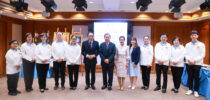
(121, 62)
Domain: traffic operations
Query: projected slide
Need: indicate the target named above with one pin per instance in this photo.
(116, 29)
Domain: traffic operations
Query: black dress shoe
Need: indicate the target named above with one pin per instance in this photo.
(103, 87)
(62, 87)
(142, 87)
(56, 87)
(146, 88)
(28, 90)
(12, 93)
(172, 89)
(163, 90)
(87, 87)
(46, 89)
(71, 88)
(74, 88)
(18, 92)
(109, 88)
(42, 90)
(157, 88)
(176, 91)
(93, 87)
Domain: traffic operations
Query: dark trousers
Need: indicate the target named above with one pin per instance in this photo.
(90, 67)
(28, 71)
(193, 74)
(12, 82)
(145, 75)
(164, 69)
(107, 69)
(73, 75)
(177, 74)
(59, 68)
(42, 74)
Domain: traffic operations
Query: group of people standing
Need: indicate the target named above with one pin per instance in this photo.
(127, 59)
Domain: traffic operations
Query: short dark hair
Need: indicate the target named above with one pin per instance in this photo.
(164, 34)
(146, 36)
(193, 32)
(28, 34)
(73, 36)
(12, 41)
(176, 38)
(121, 37)
(44, 34)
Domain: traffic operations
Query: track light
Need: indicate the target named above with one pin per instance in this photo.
(50, 5)
(19, 5)
(176, 5)
(205, 6)
(80, 5)
(143, 4)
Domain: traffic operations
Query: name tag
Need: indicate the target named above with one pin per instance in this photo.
(198, 46)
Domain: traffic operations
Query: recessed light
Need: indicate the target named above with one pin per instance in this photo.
(132, 2)
(91, 2)
(189, 11)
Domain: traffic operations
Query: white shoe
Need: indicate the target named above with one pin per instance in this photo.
(133, 87)
(189, 92)
(129, 86)
(196, 94)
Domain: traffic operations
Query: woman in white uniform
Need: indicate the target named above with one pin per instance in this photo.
(177, 63)
(73, 58)
(43, 55)
(28, 53)
(13, 64)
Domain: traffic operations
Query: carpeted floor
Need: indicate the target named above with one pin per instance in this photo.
(98, 94)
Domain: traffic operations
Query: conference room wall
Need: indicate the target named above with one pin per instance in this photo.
(5, 37)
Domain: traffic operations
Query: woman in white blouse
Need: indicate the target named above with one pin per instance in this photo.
(28, 53)
(177, 63)
(43, 55)
(146, 62)
(121, 62)
(13, 64)
(73, 59)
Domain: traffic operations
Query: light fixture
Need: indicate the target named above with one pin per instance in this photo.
(175, 5)
(80, 5)
(91, 2)
(132, 2)
(205, 6)
(50, 5)
(143, 4)
(19, 5)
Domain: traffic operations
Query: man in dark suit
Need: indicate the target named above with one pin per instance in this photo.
(90, 50)
(107, 52)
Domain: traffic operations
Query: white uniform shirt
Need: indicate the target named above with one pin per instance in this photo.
(28, 51)
(43, 51)
(146, 55)
(162, 53)
(73, 54)
(13, 59)
(58, 50)
(195, 52)
(177, 55)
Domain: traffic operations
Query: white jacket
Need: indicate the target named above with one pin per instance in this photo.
(195, 52)
(43, 51)
(73, 54)
(13, 59)
(162, 53)
(28, 51)
(146, 55)
(177, 55)
(58, 50)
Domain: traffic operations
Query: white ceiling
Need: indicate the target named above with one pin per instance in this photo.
(115, 5)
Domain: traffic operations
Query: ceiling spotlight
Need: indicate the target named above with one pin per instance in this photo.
(143, 4)
(80, 5)
(19, 5)
(205, 6)
(50, 5)
(176, 5)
